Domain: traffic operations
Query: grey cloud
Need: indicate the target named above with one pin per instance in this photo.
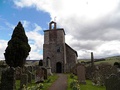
(96, 30)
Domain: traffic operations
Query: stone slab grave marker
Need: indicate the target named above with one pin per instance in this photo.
(18, 72)
(39, 75)
(45, 73)
(113, 82)
(81, 73)
(8, 79)
(48, 65)
(23, 80)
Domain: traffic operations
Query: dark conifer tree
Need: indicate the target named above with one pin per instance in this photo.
(18, 48)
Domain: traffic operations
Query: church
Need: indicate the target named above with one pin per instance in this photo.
(61, 56)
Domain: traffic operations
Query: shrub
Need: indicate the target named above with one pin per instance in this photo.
(75, 85)
(72, 76)
(37, 87)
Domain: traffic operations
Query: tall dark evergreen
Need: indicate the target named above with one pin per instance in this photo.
(18, 48)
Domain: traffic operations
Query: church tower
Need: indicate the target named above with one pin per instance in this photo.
(54, 48)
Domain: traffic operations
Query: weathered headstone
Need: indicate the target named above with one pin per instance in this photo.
(30, 68)
(18, 72)
(23, 80)
(45, 73)
(81, 74)
(8, 79)
(48, 65)
(113, 83)
(29, 76)
(39, 75)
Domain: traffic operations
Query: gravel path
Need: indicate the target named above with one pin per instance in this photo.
(60, 83)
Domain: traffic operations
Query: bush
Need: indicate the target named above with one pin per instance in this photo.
(37, 87)
(75, 85)
(72, 75)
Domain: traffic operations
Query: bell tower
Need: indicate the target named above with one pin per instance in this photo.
(54, 48)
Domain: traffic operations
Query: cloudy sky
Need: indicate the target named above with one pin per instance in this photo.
(90, 25)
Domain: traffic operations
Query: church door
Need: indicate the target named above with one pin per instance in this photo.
(58, 67)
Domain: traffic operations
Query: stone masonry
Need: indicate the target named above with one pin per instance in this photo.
(61, 55)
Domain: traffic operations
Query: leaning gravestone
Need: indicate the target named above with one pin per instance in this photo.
(113, 83)
(81, 74)
(8, 79)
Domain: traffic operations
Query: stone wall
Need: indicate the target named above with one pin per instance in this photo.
(71, 58)
(55, 48)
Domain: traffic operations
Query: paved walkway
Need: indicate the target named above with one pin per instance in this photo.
(60, 83)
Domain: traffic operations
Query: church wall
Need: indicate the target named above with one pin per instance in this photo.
(46, 37)
(54, 48)
(60, 36)
(71, 58)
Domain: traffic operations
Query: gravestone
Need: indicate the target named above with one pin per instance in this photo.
(81, 73)
(48, 65)
(113, 83)
(18, 72)
(23, 80)
(8, 79)
(30, 68)
(39, 75)
(29, 76)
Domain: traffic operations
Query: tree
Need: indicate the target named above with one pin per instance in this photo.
(18, 48)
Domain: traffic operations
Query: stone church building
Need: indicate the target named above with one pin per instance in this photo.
(61, 56)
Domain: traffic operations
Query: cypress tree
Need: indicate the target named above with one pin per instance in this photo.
(18, 48)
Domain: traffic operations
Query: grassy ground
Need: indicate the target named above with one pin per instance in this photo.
(69, 81)
(46, 84)
(108, 61)
(88, 86)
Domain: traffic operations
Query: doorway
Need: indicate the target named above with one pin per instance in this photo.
(58, 67)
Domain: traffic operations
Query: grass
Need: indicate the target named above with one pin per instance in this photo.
(88, 85)
(108, 61)
(69, 81)
(46, 84)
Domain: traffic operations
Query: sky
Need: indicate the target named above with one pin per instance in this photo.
(90, 25)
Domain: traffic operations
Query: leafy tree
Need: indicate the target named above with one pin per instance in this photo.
(18, 48)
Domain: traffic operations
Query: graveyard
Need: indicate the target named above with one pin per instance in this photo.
(89, 83)
(17, 73)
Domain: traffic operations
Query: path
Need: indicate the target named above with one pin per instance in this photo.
(60, 83)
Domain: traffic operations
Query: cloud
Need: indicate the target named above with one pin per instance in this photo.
(91, 25)
(3, 45)
(35, 40)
